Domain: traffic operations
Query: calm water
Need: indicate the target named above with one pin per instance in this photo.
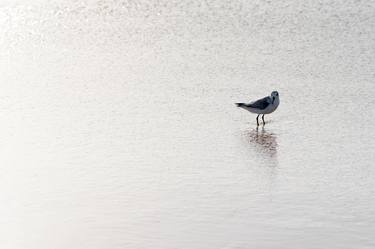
(119, 130)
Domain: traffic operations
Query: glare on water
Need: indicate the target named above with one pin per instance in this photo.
(119, 129)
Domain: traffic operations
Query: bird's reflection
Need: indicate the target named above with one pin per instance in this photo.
(265, 141)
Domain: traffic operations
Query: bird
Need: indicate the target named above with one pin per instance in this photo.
(263, 106)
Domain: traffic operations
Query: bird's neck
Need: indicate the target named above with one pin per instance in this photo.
(275, 101)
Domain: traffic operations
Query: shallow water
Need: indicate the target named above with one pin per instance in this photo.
(119, 128)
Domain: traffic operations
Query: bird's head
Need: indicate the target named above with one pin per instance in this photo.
(274, 95)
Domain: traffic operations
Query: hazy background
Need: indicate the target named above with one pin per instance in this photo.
(119, 130)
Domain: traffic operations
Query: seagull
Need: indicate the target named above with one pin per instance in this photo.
(263, 106)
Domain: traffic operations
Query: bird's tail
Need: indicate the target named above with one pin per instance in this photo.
(240, 104)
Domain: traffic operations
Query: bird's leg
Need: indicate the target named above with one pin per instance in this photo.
(263, 120)
(257, 120)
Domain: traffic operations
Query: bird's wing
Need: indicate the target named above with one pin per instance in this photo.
(261, 103)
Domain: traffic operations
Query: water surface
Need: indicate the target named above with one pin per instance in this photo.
(119, 129)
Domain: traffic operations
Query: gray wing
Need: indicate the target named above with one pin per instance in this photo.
(261, 103)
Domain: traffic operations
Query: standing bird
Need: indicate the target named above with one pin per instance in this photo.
(263, 106)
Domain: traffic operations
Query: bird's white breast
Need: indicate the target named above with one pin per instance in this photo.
(272, 107)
